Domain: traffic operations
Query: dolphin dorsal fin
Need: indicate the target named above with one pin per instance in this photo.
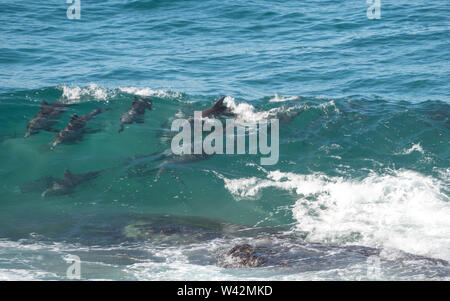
(44, 103)
(67, 173)
(219, 103)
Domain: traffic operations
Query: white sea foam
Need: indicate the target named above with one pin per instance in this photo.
(401, 209)
(278, 98)
(150, 92)
(414, 148)
(93, 91)
(329, 148)
(246, 112)
(24, 275)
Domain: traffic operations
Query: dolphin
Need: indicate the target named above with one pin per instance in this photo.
(46, 117)
(75, 129)
(218, 109)
(67, 183)
(136, 112)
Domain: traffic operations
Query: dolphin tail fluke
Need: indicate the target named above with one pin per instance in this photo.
(121, 128)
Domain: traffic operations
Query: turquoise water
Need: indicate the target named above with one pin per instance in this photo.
(364, 139)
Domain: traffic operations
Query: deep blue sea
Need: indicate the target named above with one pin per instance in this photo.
(362, 186)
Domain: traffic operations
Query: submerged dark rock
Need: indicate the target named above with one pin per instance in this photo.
(300, 256)
(248, 256)
(175, 230)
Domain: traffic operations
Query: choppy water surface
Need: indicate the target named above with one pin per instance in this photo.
(361, 190)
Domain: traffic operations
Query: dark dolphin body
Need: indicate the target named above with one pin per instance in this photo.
(136, 112)
(46, 117)
(69, 182)
(75, 129)
(217, 110)
(54, 186)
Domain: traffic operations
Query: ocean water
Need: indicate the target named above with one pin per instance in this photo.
(361, 189)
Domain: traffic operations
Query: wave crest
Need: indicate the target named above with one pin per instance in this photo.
(389, 210)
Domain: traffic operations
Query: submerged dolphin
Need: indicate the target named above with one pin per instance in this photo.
(144, 165)
(136, 112)
(45, 118)
(75, 129)
(54, 186)
(68, 182)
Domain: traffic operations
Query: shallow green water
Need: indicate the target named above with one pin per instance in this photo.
(364, 138)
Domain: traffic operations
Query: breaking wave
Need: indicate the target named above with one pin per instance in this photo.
(390, 210)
